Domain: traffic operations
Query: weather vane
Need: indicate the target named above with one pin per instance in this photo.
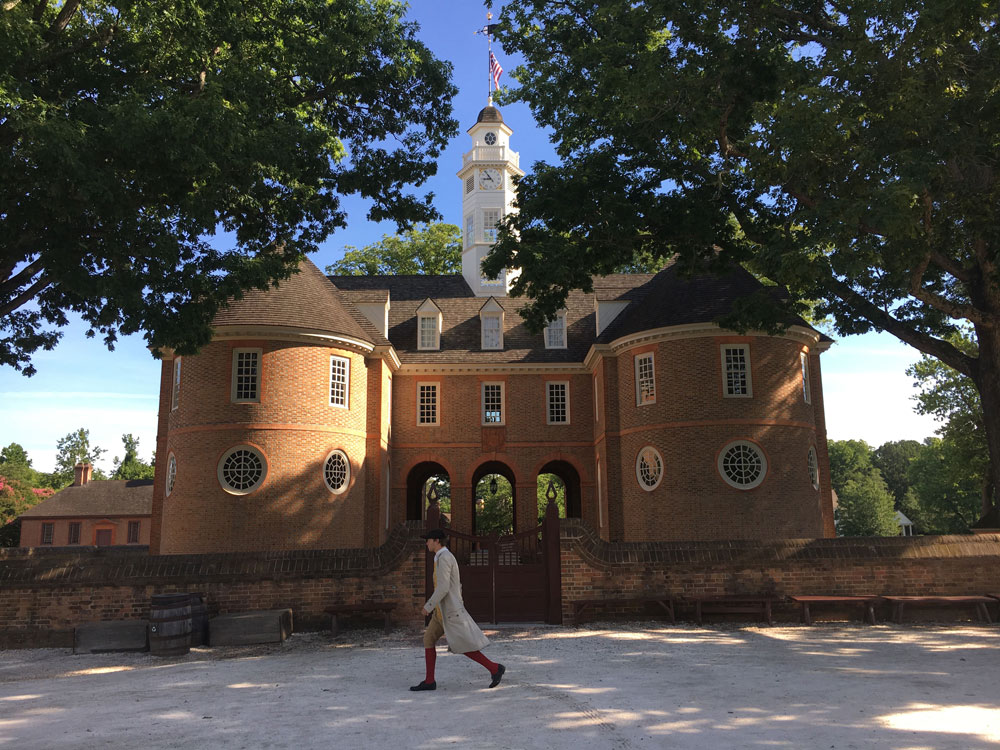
(494, 66)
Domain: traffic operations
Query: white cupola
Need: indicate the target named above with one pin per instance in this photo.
(487, 196)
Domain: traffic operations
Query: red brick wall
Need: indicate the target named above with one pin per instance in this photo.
(31, 530)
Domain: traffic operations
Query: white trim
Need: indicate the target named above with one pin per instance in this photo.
(171, 478)
(754, 448)
(548, 401)
(482, 403)
(233, 382)
(597, 402)
(812, 466)
(483, 317)
(437, 403)
(640, 399)
(745, 349)
(657, 465)
(347, 472)
(347, 381)
(436, 318)
(804, 368)
(283, 333)
(225, 457)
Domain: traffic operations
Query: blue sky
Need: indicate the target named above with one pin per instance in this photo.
(81, 384)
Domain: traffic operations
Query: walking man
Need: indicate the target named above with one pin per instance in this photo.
(449, 618)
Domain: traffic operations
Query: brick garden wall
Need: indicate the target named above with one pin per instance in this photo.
(44, 594)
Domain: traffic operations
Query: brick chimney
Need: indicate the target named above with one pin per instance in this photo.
(82, 474)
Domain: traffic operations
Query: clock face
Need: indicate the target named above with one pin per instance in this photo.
(490, 138)
(490, 179)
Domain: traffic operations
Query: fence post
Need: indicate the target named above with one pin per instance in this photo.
(433, 521)
(553, 561)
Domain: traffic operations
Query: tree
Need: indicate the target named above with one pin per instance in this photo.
(845, 152)
(428, 249)
(541, 492)
(14, 455)
(494, 511)
(953, 400)
(72, 449)
(159, 159)
(893, 459)
(130, 467)
(865, 508)
(945, 496)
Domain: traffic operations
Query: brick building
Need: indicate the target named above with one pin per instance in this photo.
(321, 408)
(91, 512)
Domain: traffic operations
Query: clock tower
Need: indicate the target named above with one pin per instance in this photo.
(487, 196)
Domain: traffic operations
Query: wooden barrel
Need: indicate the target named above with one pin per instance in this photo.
(199, 620)
(170, 624)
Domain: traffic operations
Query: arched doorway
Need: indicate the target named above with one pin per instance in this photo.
(418, 483)
(566, 482)
(493, 500)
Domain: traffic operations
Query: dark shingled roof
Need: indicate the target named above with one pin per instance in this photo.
(111, 497)
(307, 300)
(489, 114)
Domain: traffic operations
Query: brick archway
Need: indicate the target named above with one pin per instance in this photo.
(571, 479)
(494, 467)
(415, 480)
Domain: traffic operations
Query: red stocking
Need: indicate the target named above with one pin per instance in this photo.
(430, 657)
(477, 656)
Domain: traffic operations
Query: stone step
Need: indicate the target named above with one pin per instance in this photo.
(248, 628)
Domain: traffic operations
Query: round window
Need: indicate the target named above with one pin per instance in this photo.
(649, 468)
(813, 464)
(337, 472)
(171, 474)
(742, 464)
(242, 470)
(490, 138)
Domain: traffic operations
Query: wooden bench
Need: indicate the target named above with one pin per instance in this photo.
(747, 604)
(338, 610)
(867, 602)
(978, 602)
(665, 602)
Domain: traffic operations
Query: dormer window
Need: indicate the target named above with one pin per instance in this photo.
(491, 320)
(555, 332)
(428, 326)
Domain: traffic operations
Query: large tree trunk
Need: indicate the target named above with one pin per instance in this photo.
(987, 380)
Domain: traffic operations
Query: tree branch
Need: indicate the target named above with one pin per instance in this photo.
(62, 20)
(21, 277)
(725, 146)
(937, 301)
(937, 348)
(25, 296)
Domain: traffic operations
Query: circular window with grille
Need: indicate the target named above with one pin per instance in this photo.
(649, 468)
(171, 474)
(337, 472)
(813, 463)
(742, 464)
(242, 470)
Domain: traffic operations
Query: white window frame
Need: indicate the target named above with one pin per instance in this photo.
(482, 403)
(498, 317)
(763, 462)
(490, 223)
(436, 385)
(171, 478)
(804, 367)
(347, 475)
(727, 391)
(549, 403)
(597, 401)
(641, 397)
(638, 468)
(434, 319)
(259, 361)
(346, 362)
(175, 391)
(561, 318)
(129, 528)
(812, 466)
(222, 463)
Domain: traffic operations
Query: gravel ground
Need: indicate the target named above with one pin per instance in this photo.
(608, 685)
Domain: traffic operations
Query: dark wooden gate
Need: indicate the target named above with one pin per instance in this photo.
(513, 578)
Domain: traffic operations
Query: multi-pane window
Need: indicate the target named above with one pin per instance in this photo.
(491, 216)
(649, 468)
(176, 391)
(804, 366)
(427, 326)
(74, 532)
(337, 472)
(555, 333)
(736, 371)
(492, 403)
(645, 379)
(558, 403)
(427, 403)
(48, 532)
(597, 400)
(742, 464)
(246, 375)
(133, 532)
(171, 474)
(812, 464)
(470, 229)
(492, 338)
(340, 380)
(242, 470)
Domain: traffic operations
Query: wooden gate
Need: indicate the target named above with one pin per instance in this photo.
(513, 578)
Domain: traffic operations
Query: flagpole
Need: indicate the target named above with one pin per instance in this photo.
(489, 60)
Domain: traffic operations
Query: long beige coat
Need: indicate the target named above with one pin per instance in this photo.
(459, 628)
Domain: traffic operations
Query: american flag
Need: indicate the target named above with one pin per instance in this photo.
(495, 71)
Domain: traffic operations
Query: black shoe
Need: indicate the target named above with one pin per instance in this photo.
(498, 675)
(429, 686)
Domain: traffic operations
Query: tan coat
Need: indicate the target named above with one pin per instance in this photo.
(459, 628)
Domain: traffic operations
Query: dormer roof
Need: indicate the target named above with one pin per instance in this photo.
(491, 305)
(429, 306)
